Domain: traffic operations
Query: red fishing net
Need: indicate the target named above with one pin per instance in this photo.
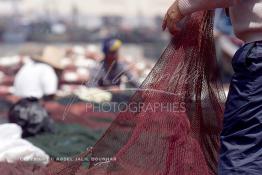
(173, 122)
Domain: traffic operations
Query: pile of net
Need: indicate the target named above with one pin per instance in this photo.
(173, 122)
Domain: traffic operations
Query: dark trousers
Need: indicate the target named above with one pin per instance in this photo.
(241, 138)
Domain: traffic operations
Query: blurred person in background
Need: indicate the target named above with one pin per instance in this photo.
(222, 23)
(241, 138)
(39, 77)
(226, 43)
(112, 71)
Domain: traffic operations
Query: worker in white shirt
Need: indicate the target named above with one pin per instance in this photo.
(38, 78)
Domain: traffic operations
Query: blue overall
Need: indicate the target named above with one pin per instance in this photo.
(241, 138)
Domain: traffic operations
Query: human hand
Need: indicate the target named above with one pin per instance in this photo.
(172, 17)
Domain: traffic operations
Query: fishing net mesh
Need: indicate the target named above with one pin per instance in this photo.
(172, 123)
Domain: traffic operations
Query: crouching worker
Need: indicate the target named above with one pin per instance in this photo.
(38, 78)
(112, 70)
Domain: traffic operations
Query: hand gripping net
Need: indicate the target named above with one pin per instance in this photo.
(173, 122)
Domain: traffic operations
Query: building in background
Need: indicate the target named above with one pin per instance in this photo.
(78, 20)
